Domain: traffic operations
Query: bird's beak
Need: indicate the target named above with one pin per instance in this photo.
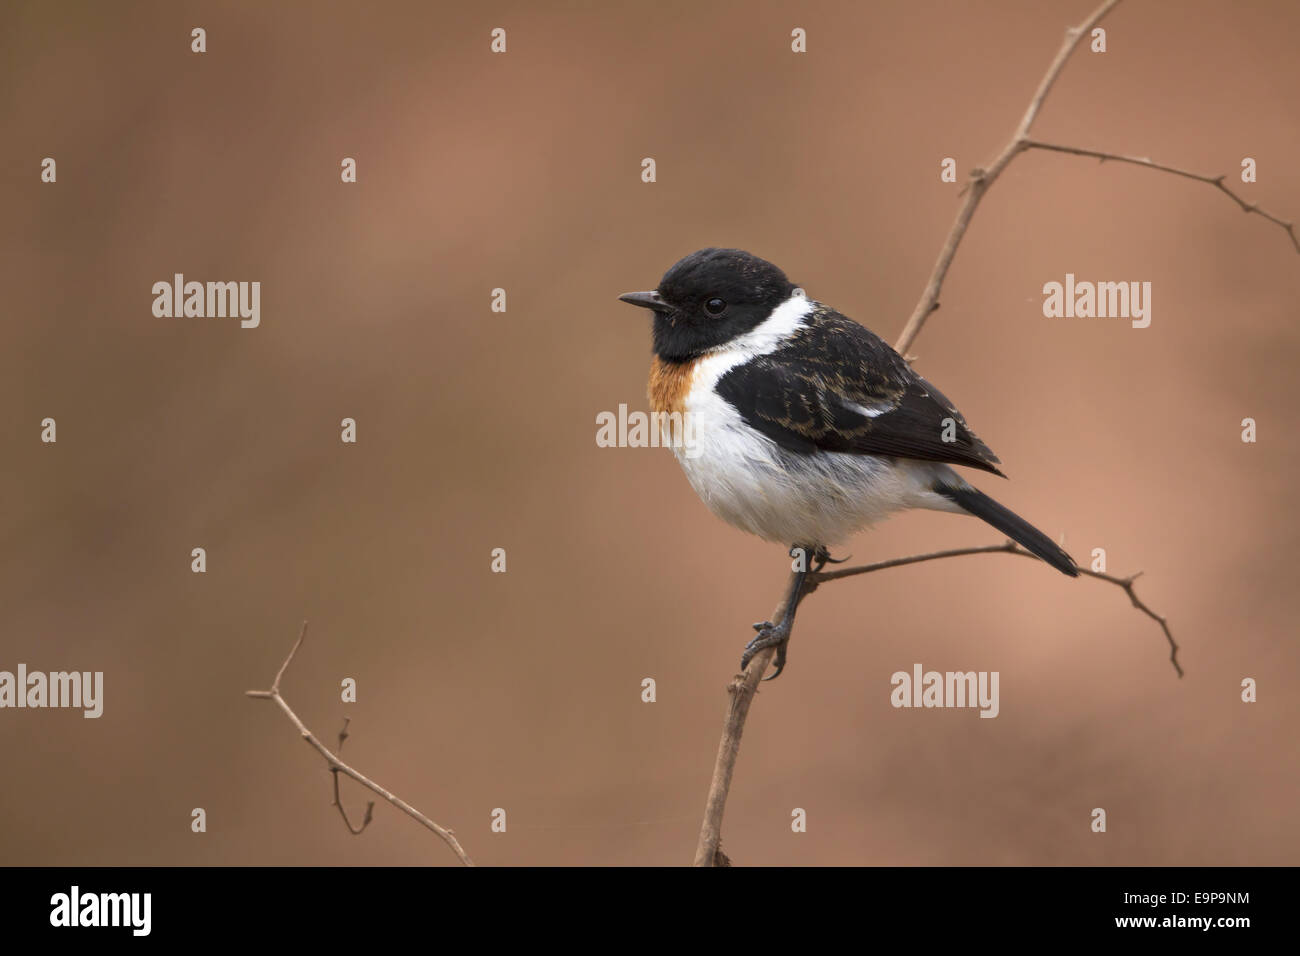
(647, 300)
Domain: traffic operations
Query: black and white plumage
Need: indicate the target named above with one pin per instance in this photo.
(808, 427)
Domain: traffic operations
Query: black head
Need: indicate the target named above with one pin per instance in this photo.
(709, 298)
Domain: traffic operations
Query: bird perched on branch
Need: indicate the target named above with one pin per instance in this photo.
(805, 427)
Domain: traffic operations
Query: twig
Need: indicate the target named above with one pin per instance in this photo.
(338, 802)
(370, 808)
(1007, 547)
(1215, 181)
(982, 179)
(740, 694)
(337, 766)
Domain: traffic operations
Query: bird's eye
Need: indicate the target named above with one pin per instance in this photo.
(715, 306)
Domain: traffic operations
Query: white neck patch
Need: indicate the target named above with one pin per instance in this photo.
(768, 336)
(773, 331)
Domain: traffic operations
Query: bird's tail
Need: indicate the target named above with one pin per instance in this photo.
(1009, 523)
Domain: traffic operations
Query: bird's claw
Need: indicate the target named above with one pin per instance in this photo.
(769, 635)
(822, 557)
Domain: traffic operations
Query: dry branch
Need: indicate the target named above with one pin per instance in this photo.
(1215, 181)
(982, 179)
(1007, 547)
(741, 692)
(337, 766)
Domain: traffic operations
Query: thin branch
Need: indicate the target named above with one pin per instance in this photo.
(982, 179)
(338, 801)
(337, 766)
(1006, 547)
(740, 693)
(1215, 181)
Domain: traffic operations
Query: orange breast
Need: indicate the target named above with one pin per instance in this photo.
(669, 384)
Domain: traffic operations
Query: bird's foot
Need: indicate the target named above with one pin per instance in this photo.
(769, 635)
(822, 557)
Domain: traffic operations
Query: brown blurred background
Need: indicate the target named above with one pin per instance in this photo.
(477, 430)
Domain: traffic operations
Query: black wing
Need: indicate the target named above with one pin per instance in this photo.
(838, 387)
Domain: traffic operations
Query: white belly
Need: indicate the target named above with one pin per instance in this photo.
(749, 481)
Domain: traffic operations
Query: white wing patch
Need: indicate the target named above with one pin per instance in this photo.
(864, 410)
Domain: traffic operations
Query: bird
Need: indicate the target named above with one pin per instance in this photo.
(802, 426)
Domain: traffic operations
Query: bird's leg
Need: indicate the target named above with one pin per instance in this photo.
(778, 635)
